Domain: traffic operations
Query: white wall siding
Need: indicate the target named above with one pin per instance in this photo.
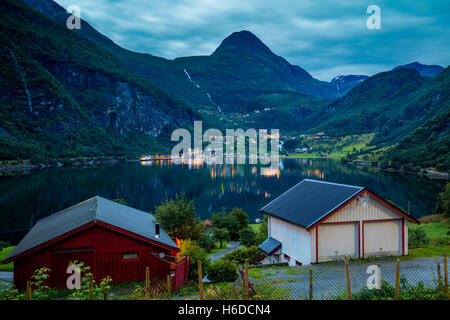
(296, 241)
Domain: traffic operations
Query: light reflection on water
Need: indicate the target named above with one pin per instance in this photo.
(27, 197)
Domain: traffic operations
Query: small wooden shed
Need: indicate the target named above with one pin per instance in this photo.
(317, 221)
(113, 239)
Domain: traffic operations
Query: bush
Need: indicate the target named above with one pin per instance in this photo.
(222, 271)
(195, 253)
(238, 256)
(417, 237)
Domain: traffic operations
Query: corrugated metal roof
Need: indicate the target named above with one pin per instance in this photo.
(96, 208)
(309, 201)
(269, 245)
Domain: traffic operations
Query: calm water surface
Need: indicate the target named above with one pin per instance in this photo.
(27, 197)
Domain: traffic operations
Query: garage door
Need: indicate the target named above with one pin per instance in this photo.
(382, 238)
(337, 241)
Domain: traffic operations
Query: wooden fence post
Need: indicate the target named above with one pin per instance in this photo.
(91, 289)
(147, 282)
(397, 280)
(169, 287)
(446, 276)
(310, 284)
(439, 276)
(246, 280)
(28, 290)
(349, 289)
(200, 279)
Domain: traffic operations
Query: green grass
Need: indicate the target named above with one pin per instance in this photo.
(427, 251)
(254, 227)
(3, 254)
(218, 248)
(432, 229)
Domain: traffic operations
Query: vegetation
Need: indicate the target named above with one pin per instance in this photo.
(443, 202)
(177, 216)
(195, 253)
(248, 237)
(4, 253)
(221, 234)
(222, 271)
(240, 255)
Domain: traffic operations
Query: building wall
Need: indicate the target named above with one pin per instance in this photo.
(359, 211)
(296, 241)
(108, 249)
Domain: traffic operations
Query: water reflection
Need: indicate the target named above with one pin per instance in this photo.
(28, 197)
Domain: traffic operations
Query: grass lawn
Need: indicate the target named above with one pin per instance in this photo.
(432, 229)
(427, 251)
(254, 227)
(3, 254)
(218, 248)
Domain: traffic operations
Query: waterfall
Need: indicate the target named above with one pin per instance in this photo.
(17, 68)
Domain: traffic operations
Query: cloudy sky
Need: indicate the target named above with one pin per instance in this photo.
(327, 38)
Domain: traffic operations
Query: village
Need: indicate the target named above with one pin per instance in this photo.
(314, 241)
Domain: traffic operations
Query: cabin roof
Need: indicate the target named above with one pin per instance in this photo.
(310, 201)
(92, 210)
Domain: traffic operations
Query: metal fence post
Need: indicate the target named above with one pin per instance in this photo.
(200, 279)
(397, 280)
(349, 289)
(379, 274)
(439, 276)
(310, 284)
(446, 276)
(246, 280)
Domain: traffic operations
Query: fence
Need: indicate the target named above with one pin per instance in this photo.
(384, 279)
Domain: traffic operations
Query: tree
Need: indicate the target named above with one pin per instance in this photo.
(221, 234)
(247, 237)
(207, 241)
(240, 216)
(223, 221)
(178, 218)
(443, 201)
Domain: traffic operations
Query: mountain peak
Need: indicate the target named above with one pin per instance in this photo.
(423, 69)
(242, 40)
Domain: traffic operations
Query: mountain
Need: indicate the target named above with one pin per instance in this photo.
(242, 67)
(428, 146)
(344, 84)
(63, 96)
(422, 69)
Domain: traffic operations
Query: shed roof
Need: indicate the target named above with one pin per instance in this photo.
(269, 245)
(92, 210)
(309, 201)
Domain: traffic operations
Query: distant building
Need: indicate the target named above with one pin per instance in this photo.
(319, 221)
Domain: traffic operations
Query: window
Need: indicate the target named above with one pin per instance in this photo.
(130, 256)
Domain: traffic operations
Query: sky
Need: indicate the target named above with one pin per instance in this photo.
(327, 38)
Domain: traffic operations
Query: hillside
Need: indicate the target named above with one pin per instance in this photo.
(62, 96)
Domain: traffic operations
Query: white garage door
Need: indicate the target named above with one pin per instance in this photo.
(337, 241)
(382, 237)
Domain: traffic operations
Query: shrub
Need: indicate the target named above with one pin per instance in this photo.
(195, 253)
(222, 271)
(417, 237)
(238, 256)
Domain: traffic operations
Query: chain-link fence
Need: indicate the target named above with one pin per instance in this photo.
(421, 279)
(377, 278)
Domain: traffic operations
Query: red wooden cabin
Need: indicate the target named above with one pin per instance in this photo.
(113, 239)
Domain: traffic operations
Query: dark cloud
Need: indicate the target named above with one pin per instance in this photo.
(327, 38)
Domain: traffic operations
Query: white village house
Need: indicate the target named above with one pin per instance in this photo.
(317, 221)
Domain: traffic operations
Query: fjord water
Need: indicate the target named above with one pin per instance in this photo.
(28, 197)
